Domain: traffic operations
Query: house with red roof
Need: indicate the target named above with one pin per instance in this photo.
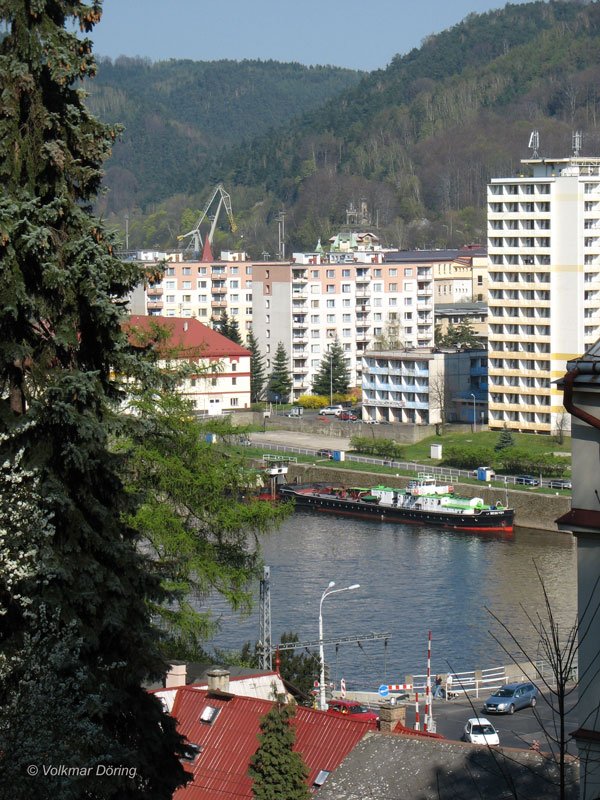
(224, 729)
(222, 382)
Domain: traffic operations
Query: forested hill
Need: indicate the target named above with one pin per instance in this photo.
(418, 141)
(178, 113)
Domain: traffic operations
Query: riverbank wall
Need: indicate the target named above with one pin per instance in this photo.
(533, 509)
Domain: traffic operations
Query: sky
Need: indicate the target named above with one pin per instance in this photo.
(359, 34)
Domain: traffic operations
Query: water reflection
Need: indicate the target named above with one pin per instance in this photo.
(413, 579)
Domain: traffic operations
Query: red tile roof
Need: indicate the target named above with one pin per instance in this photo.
(189, 337)
(221, 769)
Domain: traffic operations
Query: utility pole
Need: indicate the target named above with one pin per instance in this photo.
(281, 229)
(264, 642)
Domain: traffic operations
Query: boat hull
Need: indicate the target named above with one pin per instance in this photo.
(493, 520)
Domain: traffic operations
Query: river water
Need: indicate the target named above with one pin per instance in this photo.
(412, 580)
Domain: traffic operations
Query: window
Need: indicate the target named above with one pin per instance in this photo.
(202, 284)
(234, 284)
(234, 367)
(330, 317)
(393, 287)
(314, 319)
(377, 287)
(201, 270)
(329, 288)
(408, 272)
(377, 273)
(234, 381)
(187, 298)
(169, 284)
(345, 273)
(186, 271)
(393, 272)
(330, 273)
(331, 304)
(170, 298)
(346, 288)
(187, 285)
(202, 298)
(346, 333)
(213, 381)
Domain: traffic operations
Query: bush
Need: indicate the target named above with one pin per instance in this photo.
(383, 448)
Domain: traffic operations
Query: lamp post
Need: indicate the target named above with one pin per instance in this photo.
(330, 378)
(474, 417)
(328, 591)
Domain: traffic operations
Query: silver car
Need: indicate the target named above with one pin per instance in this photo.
(511, 698)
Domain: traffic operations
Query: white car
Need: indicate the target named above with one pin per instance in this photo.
(331, 411)
(480, 730)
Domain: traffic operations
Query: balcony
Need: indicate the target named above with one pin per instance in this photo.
(154, 291)
(154, 305)
(218, 303)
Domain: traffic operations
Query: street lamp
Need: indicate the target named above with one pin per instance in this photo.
(474, 417)
(328, 591)
(330, 378)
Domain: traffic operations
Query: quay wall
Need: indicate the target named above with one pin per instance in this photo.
(532, 509)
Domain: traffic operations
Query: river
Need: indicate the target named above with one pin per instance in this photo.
(412, 580)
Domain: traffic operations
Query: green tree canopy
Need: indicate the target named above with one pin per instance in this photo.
(64, 543)
(333, 376)
(461, 336)
(277, 771)
(280, 380)
(257, 369)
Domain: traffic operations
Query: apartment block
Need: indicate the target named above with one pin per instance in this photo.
(424, 386)
(544, 286)
(204, 290)
(358, 297)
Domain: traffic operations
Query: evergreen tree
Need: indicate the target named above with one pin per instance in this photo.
(277, 772)
(280, 381)
(222, 325)
(333, 375)
(234, 332)
(257, 369)
(68, 548)
(505, 440)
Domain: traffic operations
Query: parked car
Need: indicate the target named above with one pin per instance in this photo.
(349, 416)
(560, 483)
(511, 698)
(527, 480)
(353, 709)
(480, 730)
(476, 473)
(331, 411)
(324, 453)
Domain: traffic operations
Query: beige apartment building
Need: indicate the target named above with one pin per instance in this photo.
(204, 290)
(544, 286)
(460, 275)
(358, 297)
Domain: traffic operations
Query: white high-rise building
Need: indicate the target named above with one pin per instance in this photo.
(544, 286)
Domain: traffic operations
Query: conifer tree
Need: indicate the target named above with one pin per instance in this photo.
(68, 549)
(280, 381)
(332, 375)
(257, 369)
(222, 325)
(277, 771)
(505, 440)
(234, 331)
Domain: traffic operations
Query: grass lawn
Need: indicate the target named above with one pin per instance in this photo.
(535, 445)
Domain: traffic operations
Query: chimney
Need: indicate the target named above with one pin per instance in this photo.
(218, 679)
(390, 715)
(176, 676)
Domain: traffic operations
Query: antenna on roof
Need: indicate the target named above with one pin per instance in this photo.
(577, 142)
(534, 143)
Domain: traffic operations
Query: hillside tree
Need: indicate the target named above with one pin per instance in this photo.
(65, 545)
(280, 380)
(277, 771)
(332, 376)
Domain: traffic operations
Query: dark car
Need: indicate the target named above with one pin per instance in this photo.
(349, 416)
(560, 483)
(511, 698)
(527, 480)
(353, 709)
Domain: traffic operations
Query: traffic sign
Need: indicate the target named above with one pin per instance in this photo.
(316, 684)
(383, 690)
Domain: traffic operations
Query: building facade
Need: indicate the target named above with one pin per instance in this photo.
(222, 380)
(203, 290)
(424, 386)
(357, 297)
(544, 286)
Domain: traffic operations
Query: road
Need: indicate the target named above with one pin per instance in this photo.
(517, 730)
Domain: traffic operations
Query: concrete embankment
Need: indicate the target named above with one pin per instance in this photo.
(533, 509)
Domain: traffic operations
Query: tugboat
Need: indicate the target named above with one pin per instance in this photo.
(423, 502)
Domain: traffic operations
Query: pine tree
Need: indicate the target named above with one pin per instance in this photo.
(333, 375)
(505, 440)
(257, 369)
(277, 772)
(280, 381)
(234, 331)
(68, 548)
(222, 325)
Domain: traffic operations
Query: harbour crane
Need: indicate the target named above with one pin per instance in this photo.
(195, 237)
